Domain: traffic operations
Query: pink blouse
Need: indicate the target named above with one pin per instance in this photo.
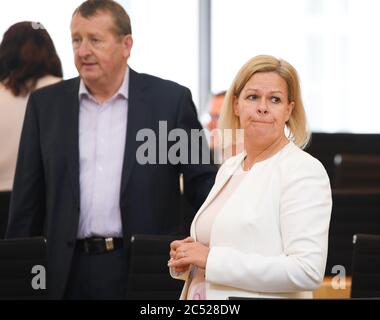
(203, 226)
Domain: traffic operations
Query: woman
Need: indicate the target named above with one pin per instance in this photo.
(28, 60)
(263, 230)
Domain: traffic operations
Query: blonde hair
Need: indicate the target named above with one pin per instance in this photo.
(297, 124)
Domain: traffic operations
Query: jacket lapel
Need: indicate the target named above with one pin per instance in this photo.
(138, 117)
(71, 102)
(227, 170)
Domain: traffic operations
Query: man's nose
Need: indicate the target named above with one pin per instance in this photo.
(84, 49)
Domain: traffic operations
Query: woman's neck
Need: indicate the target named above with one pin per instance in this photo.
(257, 153)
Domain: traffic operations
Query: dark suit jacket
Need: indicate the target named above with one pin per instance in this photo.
(45, 197)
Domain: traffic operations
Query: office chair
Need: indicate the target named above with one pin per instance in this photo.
(352, 213)
(366, 266)
(356, 171)
(23, 269)
(148, 273)
(5, 198)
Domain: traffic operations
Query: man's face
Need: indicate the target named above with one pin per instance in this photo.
(215, 107)
(100, 55)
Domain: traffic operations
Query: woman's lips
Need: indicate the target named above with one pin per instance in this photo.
(262, 122)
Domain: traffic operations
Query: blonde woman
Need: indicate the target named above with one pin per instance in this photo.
(263, 230)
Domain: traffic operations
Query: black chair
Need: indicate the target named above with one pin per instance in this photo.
(23, 269)
(353, 212)
(148, 273)
(5, 198)
(366, 266)
(356, 171)
(325, 146)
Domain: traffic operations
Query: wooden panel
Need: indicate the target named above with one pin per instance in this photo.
(327, 290)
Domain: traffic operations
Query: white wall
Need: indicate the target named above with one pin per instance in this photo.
(165, 34)
(332, 43)
(54, 15)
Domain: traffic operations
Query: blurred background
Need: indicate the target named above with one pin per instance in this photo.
(335, 48)
(202, 43)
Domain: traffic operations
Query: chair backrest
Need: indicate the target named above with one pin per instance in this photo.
(148, 273)
(352, 213)
(366, 266)
(325, 146)
(356, 171)
(23, 268)
(5, 198)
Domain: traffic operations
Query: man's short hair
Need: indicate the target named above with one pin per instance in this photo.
(121, 19)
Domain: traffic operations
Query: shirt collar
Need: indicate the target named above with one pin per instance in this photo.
(122, 91)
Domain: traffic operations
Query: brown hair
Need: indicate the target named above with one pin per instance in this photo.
(296, 124)
(121, 19)
(27, 53)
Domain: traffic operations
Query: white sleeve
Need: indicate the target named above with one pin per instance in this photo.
(305, 210)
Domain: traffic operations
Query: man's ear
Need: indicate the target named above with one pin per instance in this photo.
(236, 106)
(127, 45)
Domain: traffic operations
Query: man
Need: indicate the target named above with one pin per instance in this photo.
(215, 109)
(214, 112)
(78, 181)
(220, 148)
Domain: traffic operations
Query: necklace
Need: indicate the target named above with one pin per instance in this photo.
(247, 167)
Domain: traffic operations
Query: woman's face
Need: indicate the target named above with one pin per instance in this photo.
(263, 108)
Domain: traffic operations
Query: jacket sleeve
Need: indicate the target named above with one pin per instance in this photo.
(27, 208)
(305, 209)
(198, 177)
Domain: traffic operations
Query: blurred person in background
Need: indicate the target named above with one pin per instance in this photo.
(28, 61)
(214, 111)
(221, 147)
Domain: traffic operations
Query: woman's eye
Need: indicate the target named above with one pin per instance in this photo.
(275, 100)
(252, 97)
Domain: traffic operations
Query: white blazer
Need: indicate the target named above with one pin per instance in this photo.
(270, 239)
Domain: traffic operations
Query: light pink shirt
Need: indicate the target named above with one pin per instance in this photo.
(203, 227)
(102, 135)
